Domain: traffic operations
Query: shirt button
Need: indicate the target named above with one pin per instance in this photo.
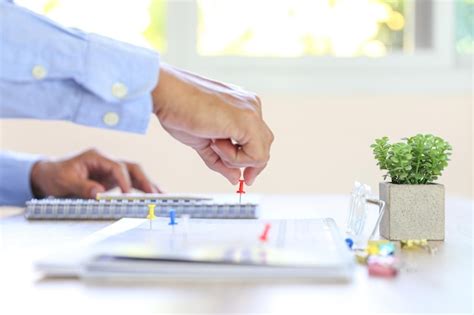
(111, 119)
(119, 90)
(39, 72)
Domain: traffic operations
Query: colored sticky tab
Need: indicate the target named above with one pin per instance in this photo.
(241, 187)
(151, 212)
(382, 260)
(264, 236)
(373, 246)
(172, 214)
(373, 249)
(377, 270)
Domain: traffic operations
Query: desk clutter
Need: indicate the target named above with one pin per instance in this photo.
(182, 248)
(378, 255)
(184, 236)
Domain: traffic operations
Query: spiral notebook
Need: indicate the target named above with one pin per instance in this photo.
(107, 207)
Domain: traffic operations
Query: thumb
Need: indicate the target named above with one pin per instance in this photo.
(88, 189)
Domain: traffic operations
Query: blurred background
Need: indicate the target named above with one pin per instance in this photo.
(333, 75)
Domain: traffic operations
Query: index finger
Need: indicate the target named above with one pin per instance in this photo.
(100, 165)
(140, 180)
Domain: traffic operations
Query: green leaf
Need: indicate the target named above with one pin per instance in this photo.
(416, 160)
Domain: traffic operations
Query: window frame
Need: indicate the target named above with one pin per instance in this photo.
(329, 73)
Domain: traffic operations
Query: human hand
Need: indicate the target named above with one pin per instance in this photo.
(85, 175)
(223, 123)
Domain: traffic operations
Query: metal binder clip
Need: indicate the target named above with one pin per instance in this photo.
(358, 208)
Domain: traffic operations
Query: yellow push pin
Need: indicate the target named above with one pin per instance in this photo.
(151, 214)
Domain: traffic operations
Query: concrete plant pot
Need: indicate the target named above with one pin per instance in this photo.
(412, 211)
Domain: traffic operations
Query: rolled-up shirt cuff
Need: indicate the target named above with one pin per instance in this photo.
(116, 71)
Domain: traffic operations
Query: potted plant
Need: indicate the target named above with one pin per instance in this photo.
(414, 203)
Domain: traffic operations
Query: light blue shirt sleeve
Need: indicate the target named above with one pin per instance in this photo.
(55, 73)
(15, 184)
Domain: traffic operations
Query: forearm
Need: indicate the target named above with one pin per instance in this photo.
(15, 177)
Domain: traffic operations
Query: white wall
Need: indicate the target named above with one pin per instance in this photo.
(321, 146)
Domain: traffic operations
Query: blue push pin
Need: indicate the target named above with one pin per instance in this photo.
(172, 218)
(349, 242)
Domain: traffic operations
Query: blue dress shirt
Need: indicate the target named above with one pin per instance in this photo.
(53, 73)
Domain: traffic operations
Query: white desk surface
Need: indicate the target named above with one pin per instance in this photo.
(439, 283)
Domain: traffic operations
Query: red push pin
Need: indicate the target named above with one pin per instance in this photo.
(264, 236)
(241, 190)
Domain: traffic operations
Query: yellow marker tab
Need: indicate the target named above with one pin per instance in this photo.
(151, 212)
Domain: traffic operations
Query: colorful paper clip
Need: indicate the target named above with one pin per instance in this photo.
(418, 244)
